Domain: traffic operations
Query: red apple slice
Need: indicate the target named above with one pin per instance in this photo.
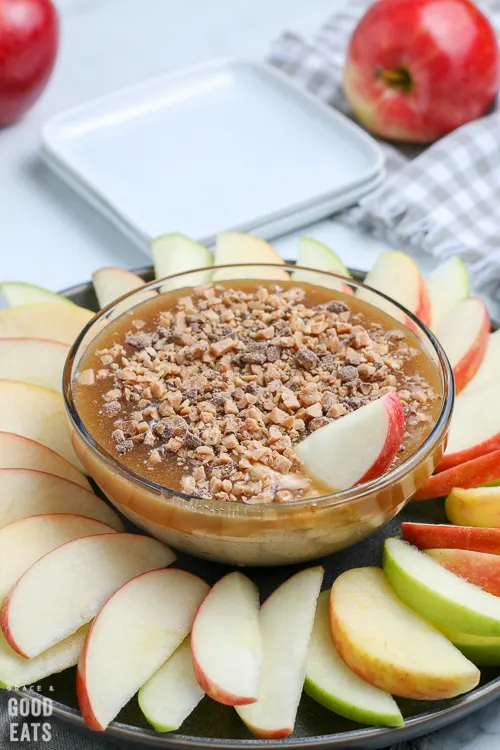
(37, 413)
(475, 426)
(24, 541)
(37, 361)
(396, 275)
(482, 470)
(364, 444)
(286, 621)
(442, 536)
(67, 587)
(112, 282)
(480, 568)
(448, 285)
(464, 335)
(477, 506)
(488, 370)
(136, 631)
(17, 452)
(236, 248)
(24, 492)
(44, 320)
(226, 641)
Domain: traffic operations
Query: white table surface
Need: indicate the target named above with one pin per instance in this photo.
(50, 237)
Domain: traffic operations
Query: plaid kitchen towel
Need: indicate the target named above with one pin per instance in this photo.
(444, 199)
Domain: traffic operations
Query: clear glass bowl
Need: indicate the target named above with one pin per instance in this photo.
(275, 534)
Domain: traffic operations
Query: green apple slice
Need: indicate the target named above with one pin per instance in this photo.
(315, 254)
(484, 652)
(447, 285)
(175, 253)
(437, 594)
(239, 249)
(330, 682)
(19, 293)
(172, 693)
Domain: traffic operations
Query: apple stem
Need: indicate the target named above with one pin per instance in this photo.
(397, 78)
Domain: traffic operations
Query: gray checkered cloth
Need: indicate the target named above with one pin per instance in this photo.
(445, 199)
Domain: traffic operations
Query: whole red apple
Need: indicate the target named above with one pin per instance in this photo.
(417, 69)
(28, 48)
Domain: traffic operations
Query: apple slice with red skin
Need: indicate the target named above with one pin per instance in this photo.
(444, 536)
(378, 427)
(37, 361)
(477, 506)
(25, 492)
(226, 641)
(482, 470)
(18, 452)
(480, 568)
(67, 587)
(286, 620)
(464, 335)
(135, 632)
(397, 275)
(112, 282)
(44, 320)
(487, 373)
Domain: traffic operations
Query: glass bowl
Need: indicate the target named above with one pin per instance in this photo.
(263, 534)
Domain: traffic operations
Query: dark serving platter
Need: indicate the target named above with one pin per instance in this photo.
(213, 725)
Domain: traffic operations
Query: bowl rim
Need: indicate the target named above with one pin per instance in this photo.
(357, 492)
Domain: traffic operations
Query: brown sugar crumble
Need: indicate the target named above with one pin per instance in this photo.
(210, 395)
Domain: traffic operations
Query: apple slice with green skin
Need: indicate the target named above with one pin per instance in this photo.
(37, 361)
(464, 335)
(478, 471)
(484, 652)
(330, 682)
(20, 293)
(16, 671)
(475, 426)
(67, 587)
(26, 492)
(44, 320)
(37, 413)
(448, 285)
(175, 253)
(441, 536)
(378, 427)
(314, 254)
(226, 641)
(112, 282)
(388, 645)
(286, 620)
(135, 632)
(23, 542)
(487, 373)
(236, 248)
(172, 693)
(396, 275)
(477, 506)
(18, 452)
(480, 568)
(438, 595)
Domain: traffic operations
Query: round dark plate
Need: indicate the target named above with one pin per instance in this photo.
(213, 725)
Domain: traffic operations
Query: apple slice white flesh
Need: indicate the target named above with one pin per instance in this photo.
(37, 361)
(21, 293)
(172, 693)
(136, 631)
(24, 541)
(437, 594)
(475, 426)
(489, 367)
(355, 448)
(396, 275)
(175, 253)
(236, 248)
(448, 285)
(37, 413)
(464, 335)
(226, 641)
(18, 452)
(314, 254)
(16, 671)
(44, 320)
(387, 644)
(286, 620)
(26, 492)
(112, 282)
(330, 682)
(67, 587)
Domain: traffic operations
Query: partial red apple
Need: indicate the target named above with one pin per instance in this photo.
(445, 536)
(29, 33)
(480, 470)
(480, 568)
(418, 69)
